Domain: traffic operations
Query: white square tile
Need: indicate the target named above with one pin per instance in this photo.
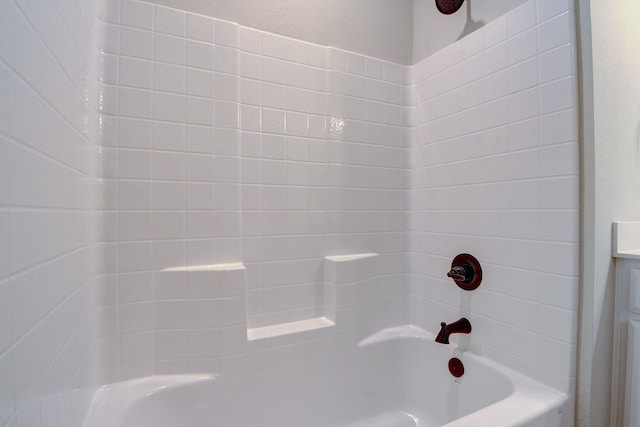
(133, 133)
(199, 196)
(168, 254)
(337, 59)
(134, 164)
(523, 46)
(226, 59)
(136, 349)
(495, 33)
(317, 56)
(134, 256)
(560, 226)
(250, 92)
(169, 78)
(226, 33)
(274, 70)
(559, 193)
(355, 84)
(169, 136)
(199, 225)
(200, 83)
(226, 115)
(200, 55)
(169, 49)
(523, 105)
(273, 121)
(558, 95)
(250, 118)
(250, 66)
(374, 68)
(548, 9)
(200, 111)
(136, 43)
(169, 107)
(199, 139)
(524, 164)
(558, 127)
(273, 96)
(273, 147)
(168, 195)
(110, 12)
(203, 343)
(274, 46)
(169, 21)
(135, 103)
(203, 313)
(556, 64)
(199, 167)
(355, 64)
(560, 160)
(137, 14)
(522, 18)
(297, 51)
(136, 317)
(170, 343)
(524, 134)
(134, 194)
(555, 33)
(226, 87)
(135, 73)
(168, 166)
(250, 40)
(523, 75)
(227, 196)
(168, 225)
(135, 287)
(200, 28)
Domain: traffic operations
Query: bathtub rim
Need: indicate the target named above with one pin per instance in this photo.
(537, 398)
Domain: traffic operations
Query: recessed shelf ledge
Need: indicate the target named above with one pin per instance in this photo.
(350, 257)
(232, 266)
(288, 328)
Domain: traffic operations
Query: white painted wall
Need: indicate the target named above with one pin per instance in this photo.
(611, 178)
(433, 31)
(377, 28)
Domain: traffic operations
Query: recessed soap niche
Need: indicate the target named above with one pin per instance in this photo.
(342, 275)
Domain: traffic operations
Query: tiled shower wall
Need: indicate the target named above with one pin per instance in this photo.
(49, 364)
(226, 145)
(495, 174)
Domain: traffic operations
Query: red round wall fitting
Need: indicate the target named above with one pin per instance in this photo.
(456, 367)
(466, 272)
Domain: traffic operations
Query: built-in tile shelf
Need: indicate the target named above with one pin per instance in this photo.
(626, 239)
(350, 257)
(279, 329)
(233, 266)
(339, 270)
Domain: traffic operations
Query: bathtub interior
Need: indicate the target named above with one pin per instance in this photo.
(393, 380)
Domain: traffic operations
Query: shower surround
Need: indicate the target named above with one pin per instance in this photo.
(253, 186)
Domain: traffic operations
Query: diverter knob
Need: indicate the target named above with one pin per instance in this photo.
(466, 272)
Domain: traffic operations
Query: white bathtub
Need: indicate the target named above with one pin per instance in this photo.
(395, 378)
